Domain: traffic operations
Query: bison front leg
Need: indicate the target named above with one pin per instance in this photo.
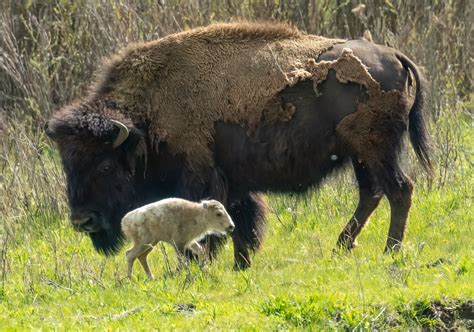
(248, 214)
(204, 183)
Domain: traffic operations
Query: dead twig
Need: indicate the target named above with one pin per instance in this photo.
(126, 313)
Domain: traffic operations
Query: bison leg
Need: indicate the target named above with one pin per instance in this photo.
(370, 195)
(208, 183)
(248, 214)
(398, 187)
(399, 193)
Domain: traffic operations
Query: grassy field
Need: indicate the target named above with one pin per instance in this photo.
(50, 277)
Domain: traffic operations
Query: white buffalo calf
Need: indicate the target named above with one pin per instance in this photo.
(177, 221)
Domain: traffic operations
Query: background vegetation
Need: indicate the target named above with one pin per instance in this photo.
(50, 276)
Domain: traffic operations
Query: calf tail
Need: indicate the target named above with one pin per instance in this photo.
(128, 228)
(419, 137)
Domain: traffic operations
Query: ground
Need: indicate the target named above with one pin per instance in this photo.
(54, 279)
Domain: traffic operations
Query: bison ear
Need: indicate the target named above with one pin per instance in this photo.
(131, 140)
(135, 149)
(55, 128)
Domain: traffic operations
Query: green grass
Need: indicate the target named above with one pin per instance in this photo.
(54, 279)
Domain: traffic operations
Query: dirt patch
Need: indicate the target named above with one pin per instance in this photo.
(318, 311)
(445, 315)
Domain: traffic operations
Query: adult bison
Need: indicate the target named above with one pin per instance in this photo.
(232, 110)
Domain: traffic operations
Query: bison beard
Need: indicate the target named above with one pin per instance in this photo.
(309, 106)
(108, 241)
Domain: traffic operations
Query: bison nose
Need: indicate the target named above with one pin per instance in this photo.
(230, 229)
(84, 223)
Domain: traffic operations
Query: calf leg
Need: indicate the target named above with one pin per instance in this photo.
(197, 249)
(248, 214)
(142, 259)
(134, 253)
(370, 195)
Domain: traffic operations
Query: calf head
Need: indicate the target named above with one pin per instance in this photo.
(217, 217)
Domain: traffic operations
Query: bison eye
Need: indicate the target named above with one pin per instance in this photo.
(105, 167)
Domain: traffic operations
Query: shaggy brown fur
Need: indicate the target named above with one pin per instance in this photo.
(164, 81)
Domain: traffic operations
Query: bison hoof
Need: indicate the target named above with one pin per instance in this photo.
(392, 247)
(241, 264)
(345, 246)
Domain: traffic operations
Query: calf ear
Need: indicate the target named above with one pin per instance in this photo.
(210, 204)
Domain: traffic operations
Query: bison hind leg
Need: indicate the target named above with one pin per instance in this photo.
(370, 194)
(398, 189)
(373, 183)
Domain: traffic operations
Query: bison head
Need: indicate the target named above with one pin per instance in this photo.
(99, 150)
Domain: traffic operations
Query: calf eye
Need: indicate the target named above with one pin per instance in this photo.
(219, 214)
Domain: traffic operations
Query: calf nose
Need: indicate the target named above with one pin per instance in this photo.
(230, 229)
(84, 223)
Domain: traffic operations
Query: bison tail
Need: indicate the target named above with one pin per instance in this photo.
(419, 137)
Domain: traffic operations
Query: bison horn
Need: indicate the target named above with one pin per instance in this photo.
(122, 135)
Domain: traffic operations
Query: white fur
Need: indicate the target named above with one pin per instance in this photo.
(177, 221)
